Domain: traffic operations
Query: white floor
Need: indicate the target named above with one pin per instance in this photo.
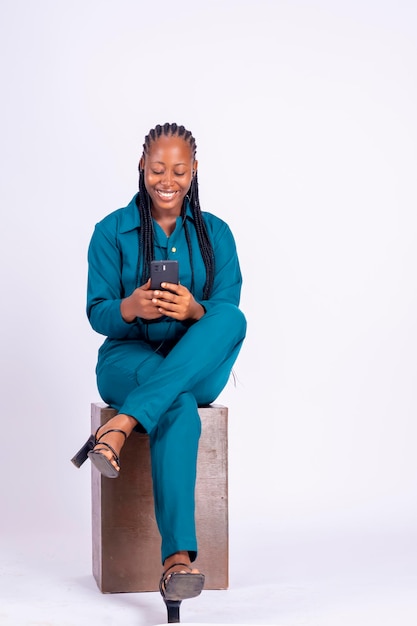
(277, 578)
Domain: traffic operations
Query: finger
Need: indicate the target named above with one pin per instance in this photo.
(173, 287)
(158, 302)
(164, 296)
(160, 294)
(169, 303)
(164, 305)
(146, 285)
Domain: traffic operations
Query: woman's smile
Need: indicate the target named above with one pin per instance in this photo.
(166, 195)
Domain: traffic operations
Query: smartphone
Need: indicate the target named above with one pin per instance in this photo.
(163, 272)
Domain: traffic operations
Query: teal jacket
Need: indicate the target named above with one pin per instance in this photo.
(113, 258)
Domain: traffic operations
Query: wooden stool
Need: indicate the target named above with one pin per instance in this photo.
(126, 541)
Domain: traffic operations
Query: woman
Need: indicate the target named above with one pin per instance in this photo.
(167, 350)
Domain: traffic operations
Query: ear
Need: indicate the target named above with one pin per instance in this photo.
(141, 163)
(195, 167)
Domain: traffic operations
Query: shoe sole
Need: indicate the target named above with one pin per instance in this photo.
(103, 464)
(183, 586)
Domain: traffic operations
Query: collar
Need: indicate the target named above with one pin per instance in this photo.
(130, 217)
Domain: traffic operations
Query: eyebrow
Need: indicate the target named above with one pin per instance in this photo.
(162, 163)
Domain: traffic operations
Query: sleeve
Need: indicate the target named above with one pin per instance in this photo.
(104, 287)
(228, 278)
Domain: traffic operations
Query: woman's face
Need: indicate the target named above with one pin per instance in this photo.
(168, 169)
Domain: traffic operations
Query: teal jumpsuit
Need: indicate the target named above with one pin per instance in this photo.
(160, 371)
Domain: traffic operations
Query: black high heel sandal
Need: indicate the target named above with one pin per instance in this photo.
(179, 586)
(101, 462)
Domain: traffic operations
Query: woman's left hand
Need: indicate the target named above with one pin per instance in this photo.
(177, 302)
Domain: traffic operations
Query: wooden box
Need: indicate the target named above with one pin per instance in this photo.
(126, 541)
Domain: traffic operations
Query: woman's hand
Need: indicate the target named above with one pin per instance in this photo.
(140, 304)
(177, 302)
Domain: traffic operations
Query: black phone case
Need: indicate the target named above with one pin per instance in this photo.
(163, 272)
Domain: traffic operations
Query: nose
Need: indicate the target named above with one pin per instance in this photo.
(167, 178)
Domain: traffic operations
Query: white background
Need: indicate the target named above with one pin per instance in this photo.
(305, 119)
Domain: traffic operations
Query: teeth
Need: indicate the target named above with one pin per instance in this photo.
(166, 194)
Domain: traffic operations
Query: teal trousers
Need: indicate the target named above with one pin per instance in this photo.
(162, 387)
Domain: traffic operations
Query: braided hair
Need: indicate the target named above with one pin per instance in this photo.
(146, 238)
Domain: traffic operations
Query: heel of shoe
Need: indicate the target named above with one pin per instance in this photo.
(173, 609)
(81, 456)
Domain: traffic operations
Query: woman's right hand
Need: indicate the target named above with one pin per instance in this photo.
(139, 304)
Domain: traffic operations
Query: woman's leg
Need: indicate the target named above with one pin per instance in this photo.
(195, 371)
(119, 372)
(208, 349)
(174, 446)
(123, 367)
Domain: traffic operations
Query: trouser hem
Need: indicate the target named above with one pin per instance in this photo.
(188, 545)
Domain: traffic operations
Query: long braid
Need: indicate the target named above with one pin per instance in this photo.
(204, 242)
(146, 240)
(146, 236)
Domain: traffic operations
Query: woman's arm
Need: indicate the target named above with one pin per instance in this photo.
(228, 278)
(105, 289)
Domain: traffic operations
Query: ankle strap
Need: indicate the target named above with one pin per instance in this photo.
(111, 430)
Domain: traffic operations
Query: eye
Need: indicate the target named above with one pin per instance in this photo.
(157, 172)
(179, 173)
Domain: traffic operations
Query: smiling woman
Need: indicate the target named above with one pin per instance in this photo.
(167, 351)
